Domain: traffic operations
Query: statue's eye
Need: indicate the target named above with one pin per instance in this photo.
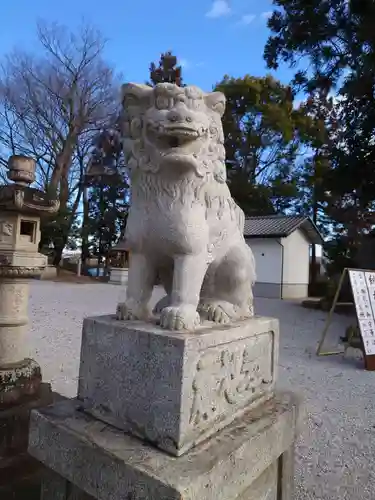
(162, 102)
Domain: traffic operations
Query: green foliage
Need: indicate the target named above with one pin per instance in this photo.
(262, 133)
(320, 30)
(337, 40)
(340, 253)
(108, 209)
(106, 195)
(252, 198)
(312, 196)
(313, 173)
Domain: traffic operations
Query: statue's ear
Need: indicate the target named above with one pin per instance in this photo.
(135, 97)
(216, 102)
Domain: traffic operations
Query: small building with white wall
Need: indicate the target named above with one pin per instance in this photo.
(281, 246)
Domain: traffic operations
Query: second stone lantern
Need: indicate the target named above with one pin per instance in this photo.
(20, 210)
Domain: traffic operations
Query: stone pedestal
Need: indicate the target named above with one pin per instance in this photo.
(164, 415)
(175, 389)
(250, 459)
(118, 276)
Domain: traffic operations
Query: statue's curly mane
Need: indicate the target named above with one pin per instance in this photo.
(215, 196)
(147, 179)
(148, 183)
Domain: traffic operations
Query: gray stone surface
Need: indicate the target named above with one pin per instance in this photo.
(265, 487)
(55, 487)
(287, 472)
(175, 389)
(109, 464)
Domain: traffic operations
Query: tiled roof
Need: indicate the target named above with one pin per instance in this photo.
(281, 226)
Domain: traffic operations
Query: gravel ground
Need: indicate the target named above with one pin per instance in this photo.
(337, 440)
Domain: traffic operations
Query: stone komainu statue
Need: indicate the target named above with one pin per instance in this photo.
(183, 227)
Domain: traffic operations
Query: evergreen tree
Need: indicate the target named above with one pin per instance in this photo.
(263, 134)
(106, 195)
(107, 210)
(337, 39)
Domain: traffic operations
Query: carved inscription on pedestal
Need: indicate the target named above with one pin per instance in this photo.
(230, 376)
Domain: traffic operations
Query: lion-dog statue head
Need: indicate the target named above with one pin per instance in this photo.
(174, 128)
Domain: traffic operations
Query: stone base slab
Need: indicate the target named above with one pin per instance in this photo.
(252, 458)
(175, 389)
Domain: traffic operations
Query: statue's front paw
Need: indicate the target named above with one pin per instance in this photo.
(217, 311)
(220, 311)
(184, 317)
(129, 311)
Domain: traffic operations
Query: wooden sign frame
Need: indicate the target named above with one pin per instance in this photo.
(369, 358)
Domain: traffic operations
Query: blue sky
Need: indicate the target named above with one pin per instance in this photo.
(210, 37)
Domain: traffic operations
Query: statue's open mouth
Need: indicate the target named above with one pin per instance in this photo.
(179, 136)
(170, 137)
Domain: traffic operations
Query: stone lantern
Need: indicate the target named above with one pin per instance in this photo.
(20, 210)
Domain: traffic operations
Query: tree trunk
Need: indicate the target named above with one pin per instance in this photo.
(64, 190)
(63, 163)
(60, 248)
(85, 227)
(57, 256)
(100, 245)
(60, 178)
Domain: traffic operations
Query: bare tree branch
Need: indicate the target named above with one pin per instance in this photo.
(54, 104)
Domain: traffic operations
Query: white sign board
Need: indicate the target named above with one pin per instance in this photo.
(363, 287)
